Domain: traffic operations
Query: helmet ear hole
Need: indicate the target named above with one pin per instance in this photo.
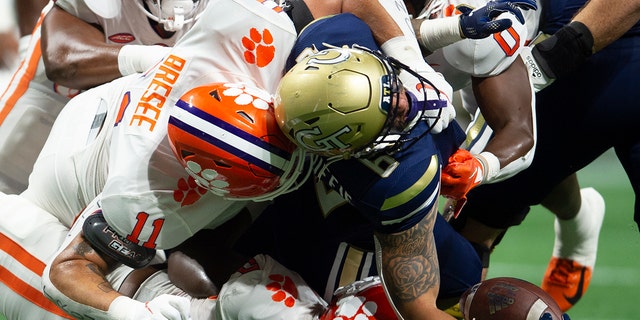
(312, 120)
(184, 153)
(246, 116)
(222, 164)
(214, 94)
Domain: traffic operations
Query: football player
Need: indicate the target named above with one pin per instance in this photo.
(157, 217)
(500, 127)
(32, 237)
(374, 164)
(118, 148)
(76, 45)
(569, 56)
(345, 237)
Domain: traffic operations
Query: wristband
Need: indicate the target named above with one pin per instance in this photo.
(439, 33)
(124, 307)
(134, 58)
(490, 164)
(565, 50)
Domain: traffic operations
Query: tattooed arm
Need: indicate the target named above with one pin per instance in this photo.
(76, 282)
(79, 271)
(410, 272)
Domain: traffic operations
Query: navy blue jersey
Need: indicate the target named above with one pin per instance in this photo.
(316, 232)
(329, 243)
(396, 191)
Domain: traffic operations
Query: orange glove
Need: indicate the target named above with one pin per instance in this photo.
(462, 173)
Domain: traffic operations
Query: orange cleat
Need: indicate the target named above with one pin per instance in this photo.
(566, 281)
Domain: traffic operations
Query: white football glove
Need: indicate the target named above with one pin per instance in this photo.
(536, 75)
(163, 307)
(133, 58)
(436, 119)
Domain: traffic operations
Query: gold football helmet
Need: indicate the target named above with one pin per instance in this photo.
(338, 101)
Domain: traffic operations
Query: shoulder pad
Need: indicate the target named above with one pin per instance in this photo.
(104, 239)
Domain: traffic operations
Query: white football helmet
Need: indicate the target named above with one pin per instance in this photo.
(172, 14)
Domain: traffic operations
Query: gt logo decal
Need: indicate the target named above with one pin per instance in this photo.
(330, 58)
(327, 143)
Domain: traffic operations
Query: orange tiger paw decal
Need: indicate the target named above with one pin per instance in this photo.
(284, 288)
(259, 48)
(188, 191)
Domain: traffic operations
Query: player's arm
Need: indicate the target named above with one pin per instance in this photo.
(75, 53)
(608, 21)
(28, 12)
(410, 272)
(79, 272)
(76, 281)
(469, 23)
(506, 103)
(595, 26)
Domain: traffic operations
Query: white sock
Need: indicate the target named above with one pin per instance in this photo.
(577, 238)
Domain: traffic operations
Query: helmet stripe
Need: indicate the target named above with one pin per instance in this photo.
(229, 138)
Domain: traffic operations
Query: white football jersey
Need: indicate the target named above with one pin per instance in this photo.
(129, 26)
(29, 238)
(486, 57)
(31, 101)
(113, 139)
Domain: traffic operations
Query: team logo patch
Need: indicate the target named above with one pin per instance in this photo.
(122, 38)
(188, 191)
(284, 289)
(259, 49)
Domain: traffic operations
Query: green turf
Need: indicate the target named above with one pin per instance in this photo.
(525, 250)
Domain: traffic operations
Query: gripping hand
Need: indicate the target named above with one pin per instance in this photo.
(160, 308)
(480, 23)
(462, 173)
(438, 119)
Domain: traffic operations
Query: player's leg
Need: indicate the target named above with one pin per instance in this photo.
(579, 215)
(629, 156)
(30, 236)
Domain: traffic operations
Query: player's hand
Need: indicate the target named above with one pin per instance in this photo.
(480, 23)
(437, 118)
(461, 174)
(564, 51)
(537, 75)
(163, 307)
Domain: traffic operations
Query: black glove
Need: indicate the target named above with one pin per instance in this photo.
(565, 50)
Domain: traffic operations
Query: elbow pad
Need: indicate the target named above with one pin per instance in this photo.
(104, 239)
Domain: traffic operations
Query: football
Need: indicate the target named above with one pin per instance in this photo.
(506, 298)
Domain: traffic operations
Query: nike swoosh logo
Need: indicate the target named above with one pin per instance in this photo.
(573, 300)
